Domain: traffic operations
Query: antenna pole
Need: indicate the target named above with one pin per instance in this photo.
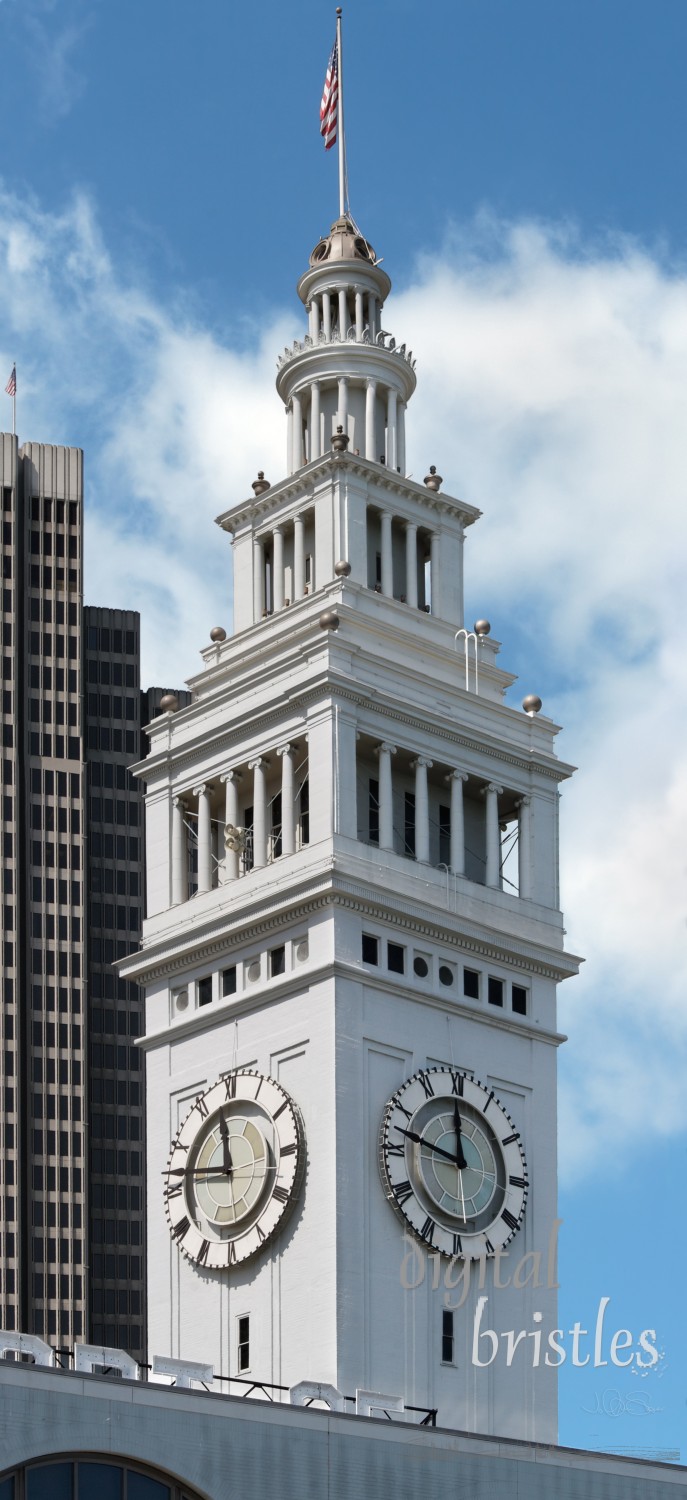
(340, 120)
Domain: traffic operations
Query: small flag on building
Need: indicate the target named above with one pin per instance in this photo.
(330, 100)
(11, 387)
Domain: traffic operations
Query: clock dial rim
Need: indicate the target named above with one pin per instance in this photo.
(424, 1096)
(235, 1092)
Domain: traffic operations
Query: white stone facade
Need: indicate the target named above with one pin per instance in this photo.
(333, 781)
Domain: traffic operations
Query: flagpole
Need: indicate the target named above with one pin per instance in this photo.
(14, 404)
(340, 121)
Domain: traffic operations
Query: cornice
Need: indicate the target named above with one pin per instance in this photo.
(176, 952)
(477, 742)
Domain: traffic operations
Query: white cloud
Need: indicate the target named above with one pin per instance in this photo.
(550, 392)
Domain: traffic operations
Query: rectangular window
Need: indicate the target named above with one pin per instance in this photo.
(495, 991)
(205, 990)
(229, 981)
(395, 955)
(471, 984)
(519, 999)
(373, 810)
(446, 1337)
(243, 1344)
(277, 961)
(370, 949)
(276, 826)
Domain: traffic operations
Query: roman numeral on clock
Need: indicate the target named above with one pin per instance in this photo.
(486, 1106)
(397, 1105)
(289, 1149)
(456, 1083)
(231, 1253)
(427, 1231)
(509, 1138)
(230, 1085)
(174, 1191)
(489, 1247)
(280, 1194)
(201, 1106)
(509, 1219)
(517, 1181)
(393, 1149)
(427, 1085)
(402, 1191)
(457, 1244)
(202, 1255)
(279, 1111)
(181, 1228)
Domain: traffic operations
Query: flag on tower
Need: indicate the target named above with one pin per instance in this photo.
(330, 100)
(11, 387)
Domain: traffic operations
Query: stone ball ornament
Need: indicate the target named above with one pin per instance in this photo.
(260, 484)
(433, 480)
(329, 620)
(342, 569)
(169, 703)
(532, 704)
(482, 627)
(218, 634)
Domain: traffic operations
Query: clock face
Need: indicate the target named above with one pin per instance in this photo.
(452, 1163)
(234, 1170)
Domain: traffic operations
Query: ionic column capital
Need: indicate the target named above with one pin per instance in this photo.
(285, 749)
(492, 786)
(456, 776)
(524, 801)
(371, 385)
(422, 761)
(386, 749)
(203, 788)
(260, 763)
(230, 776)
(410, 525)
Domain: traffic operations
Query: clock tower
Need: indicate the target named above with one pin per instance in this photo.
(353, 937)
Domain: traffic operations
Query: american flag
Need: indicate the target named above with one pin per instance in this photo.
(330, 100)
(11, 387)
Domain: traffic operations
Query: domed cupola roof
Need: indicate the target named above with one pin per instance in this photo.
(344, 242)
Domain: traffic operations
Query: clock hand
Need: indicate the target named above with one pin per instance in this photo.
(460, 1157)
(422, 1141)
(226, 1153)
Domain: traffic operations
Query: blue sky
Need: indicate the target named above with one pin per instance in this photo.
(521, 170)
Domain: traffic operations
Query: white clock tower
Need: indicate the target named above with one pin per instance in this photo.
(353, 936)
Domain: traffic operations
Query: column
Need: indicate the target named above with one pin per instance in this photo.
(372, 315)
(457, 839)
(435, 579)
(315, 448)
(421, 766)
(289, 437)
(327, 315)
(258, 767)
(493, 835)
(277, 568)
(258, 579)
(343, 403)
(370, 408)
(231, 817)
(411, 564)
(314, 312)
(386, 806)
(179, 853)
(387, 556)
(298, 557)
(359, 319)
(524, 848)
(343, 313)
(297, 445)
(391, 429)
(288, 805)
(203, 793)
(401, 437)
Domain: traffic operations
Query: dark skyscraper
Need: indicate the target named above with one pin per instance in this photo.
(71, 1097)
